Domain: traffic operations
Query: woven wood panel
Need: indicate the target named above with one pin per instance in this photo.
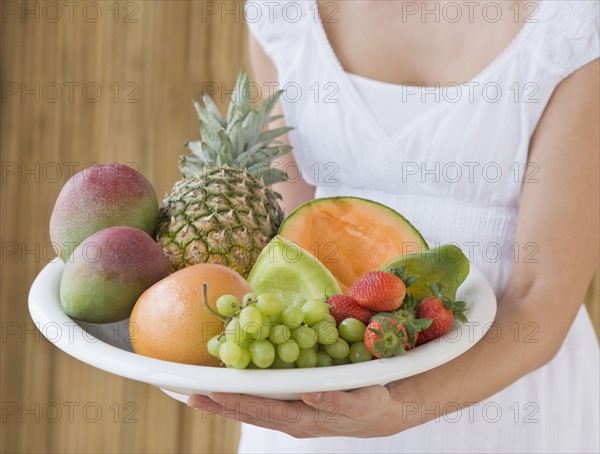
(104, 82)
(98, 82)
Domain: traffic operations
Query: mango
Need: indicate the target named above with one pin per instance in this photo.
(446, 264)
(98, 197)
(108, 272)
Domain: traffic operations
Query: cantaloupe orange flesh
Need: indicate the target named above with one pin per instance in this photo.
(351, 236)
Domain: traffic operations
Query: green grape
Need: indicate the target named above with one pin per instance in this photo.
(352, 330)
(327, 333)
(359, 353)
(228, 305)
(305, 336)
(249, 298)
(339, 349)
(262, 353)
(292, 317)
(278, 363)
(314, 311)
(233, 331)
(244, 360)
(263, 330)
(214, 344)
(323, 359)
(245, 343)
(250, 319)
(280, 334)
(269, 304)
(307, 358)
(230, 352)
(275, 318)
(340, 361)
(329, 318)
(288, 351)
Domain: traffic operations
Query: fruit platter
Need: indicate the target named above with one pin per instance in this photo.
(216, 290)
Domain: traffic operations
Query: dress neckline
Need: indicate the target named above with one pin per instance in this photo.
(359, 102)
(490, 67)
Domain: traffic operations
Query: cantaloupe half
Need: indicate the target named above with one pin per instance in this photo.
(350, 235)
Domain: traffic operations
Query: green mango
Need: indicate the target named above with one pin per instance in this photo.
(445, 264)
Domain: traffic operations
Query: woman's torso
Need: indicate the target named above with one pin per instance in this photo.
(454, 164)
(456, 168)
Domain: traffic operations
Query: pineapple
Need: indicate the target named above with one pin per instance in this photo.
(223, 210)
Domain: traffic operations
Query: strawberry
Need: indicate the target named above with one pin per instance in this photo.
(441, 311)
(442, 318)
(344, 306)
(385, 337)
(408, 317)
(401, 272)
(378, 291)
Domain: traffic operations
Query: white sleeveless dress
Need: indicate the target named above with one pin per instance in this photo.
(455, 169)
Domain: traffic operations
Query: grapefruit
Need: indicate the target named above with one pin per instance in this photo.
(169, 321)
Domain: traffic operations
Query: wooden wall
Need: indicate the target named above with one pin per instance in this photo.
(149, 60)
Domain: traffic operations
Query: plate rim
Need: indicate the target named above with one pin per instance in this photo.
(45, 309)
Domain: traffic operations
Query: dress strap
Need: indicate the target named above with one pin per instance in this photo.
(566, 35)
(279, 27)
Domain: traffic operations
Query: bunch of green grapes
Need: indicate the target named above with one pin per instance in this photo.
(263, 332)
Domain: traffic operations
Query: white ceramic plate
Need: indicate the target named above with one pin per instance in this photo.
(107, 347)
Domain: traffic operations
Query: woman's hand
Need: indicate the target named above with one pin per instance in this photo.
(365, 412)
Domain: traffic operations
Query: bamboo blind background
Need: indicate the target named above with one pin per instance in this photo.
(149, 60)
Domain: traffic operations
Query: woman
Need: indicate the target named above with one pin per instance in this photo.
(505, 163)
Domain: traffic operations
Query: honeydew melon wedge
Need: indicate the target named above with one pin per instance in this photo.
(290, 272)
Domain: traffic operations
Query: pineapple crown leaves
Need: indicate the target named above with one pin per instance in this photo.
(458, 308)
(238, 140)
(400, 271)
(390, 338)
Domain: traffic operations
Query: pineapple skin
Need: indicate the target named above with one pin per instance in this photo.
(218, 215)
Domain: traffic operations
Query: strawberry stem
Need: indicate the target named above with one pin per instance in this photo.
(458, 308)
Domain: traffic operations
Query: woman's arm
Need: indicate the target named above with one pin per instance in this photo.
(560, 214)
(265, 74)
